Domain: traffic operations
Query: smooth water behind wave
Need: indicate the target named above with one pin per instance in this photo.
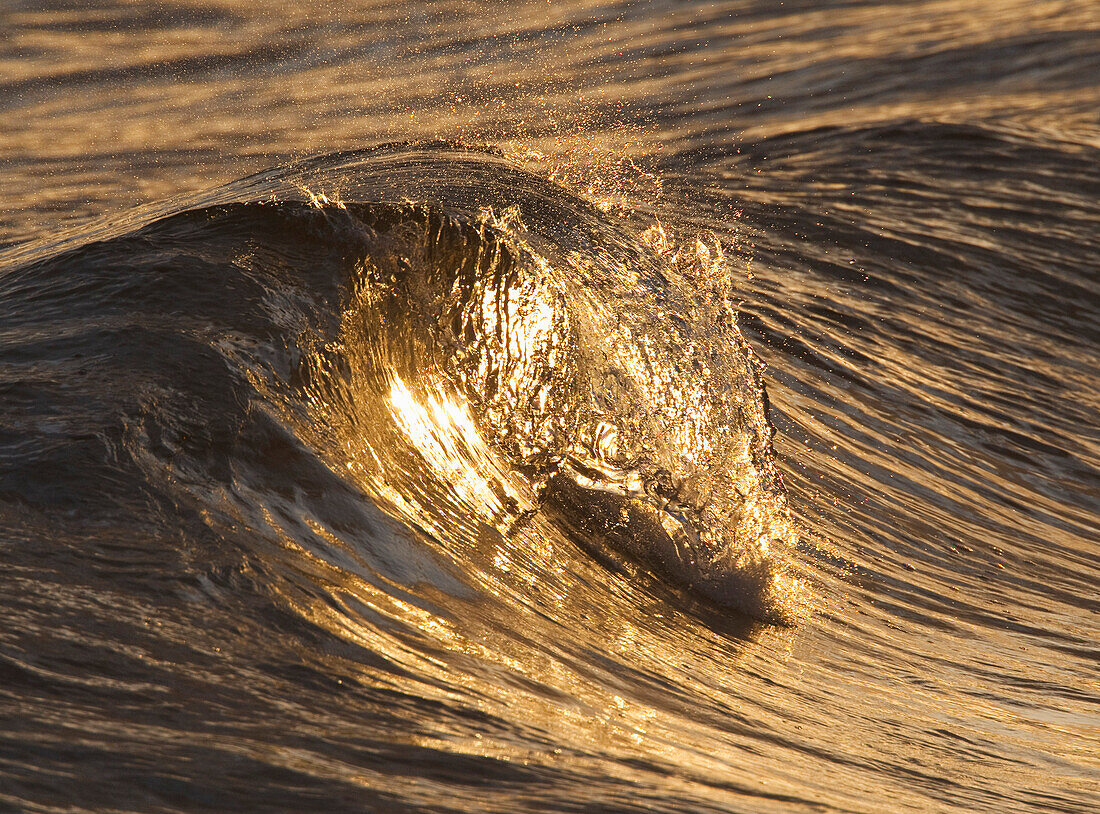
(440, 478)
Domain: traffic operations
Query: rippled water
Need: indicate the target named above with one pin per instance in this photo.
(550, 407)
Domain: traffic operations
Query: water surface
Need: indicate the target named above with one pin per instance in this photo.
(550, 407)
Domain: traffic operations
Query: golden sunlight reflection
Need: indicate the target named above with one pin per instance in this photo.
(390, 439)
(444, 433)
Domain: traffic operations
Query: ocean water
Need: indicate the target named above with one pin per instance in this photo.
(448, 407)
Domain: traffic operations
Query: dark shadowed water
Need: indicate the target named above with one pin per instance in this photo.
(550, 406)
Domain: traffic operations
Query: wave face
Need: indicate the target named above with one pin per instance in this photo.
(432, 476)
(468, 341)
(450, 380)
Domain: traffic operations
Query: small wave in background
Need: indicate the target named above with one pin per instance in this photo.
(552, 407)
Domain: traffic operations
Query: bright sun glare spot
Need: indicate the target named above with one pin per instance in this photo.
(446, 437)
